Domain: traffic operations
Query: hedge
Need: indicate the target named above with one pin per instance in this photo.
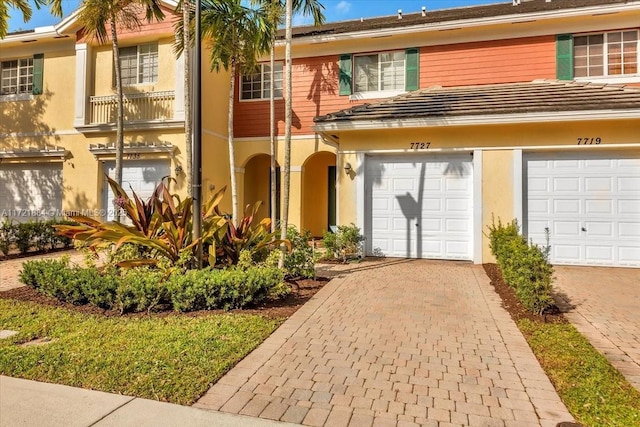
(32, 235)
(524, 266)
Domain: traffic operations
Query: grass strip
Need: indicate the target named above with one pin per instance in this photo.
(172, 358)
(593, 390)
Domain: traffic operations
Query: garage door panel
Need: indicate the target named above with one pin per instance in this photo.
(592, 207)
(600, 229)
(423, 193)
(566, 184)
(566, 206)
(629, 229)
(457, 248)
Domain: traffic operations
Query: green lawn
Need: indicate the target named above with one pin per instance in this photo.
(593, 390)
(173, 358)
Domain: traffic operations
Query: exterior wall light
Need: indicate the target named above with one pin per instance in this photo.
(347, 168)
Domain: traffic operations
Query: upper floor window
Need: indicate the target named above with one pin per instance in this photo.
(258, 85)
(376, 75)
(379, 72)
(139, 64)
(16, 76)
(607, 54)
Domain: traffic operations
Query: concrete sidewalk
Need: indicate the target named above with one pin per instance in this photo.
(31, 403)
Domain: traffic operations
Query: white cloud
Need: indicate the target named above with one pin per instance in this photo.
(301, 20)
(343, 7)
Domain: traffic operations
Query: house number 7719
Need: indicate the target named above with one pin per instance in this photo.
(420, 145)
(589, 141)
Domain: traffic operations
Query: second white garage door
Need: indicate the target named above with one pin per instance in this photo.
(143, 176)
(420, 206)
(590, 202)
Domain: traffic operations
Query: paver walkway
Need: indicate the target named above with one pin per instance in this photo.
(395, 343)
(604, 305)
(10, 269)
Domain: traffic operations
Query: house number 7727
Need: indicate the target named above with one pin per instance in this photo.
(420, 145)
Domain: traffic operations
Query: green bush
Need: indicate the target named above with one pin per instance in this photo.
(98, 287)
(345, 243)
(524, 266)
(8, 235)
(140, 289)
(301, 260)
(32, 235)
(229, 288)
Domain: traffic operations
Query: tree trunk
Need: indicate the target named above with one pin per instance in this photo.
(287, 126)
(232, 159)
(119, 107)
(186, 42)
(272, 147)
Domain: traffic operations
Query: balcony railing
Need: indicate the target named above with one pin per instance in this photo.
(138, 107)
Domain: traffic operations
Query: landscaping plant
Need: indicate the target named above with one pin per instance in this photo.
(524, 266)
(345, 243)
(301, 259)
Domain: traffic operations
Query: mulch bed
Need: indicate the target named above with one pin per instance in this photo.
(511, 303)
(301, 291)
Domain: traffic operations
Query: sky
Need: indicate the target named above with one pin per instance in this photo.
(335, 10)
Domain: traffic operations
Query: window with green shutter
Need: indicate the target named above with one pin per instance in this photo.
(345, 74)
(412, 75)
(564, 57)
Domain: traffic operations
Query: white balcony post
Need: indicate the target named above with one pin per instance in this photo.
(83, 63)
(178, 103)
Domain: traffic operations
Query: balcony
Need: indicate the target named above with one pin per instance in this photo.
(145, 110)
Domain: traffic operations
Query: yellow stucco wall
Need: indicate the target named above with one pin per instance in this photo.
(315, 192)
(257, 184)
(497, 192)
(103, 80)
(497, 167)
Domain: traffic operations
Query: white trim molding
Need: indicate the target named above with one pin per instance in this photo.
(477, 207)
(142, 148)
(296, 169)
(57, 152)
(180, 89)
(518, 188)
(148, 125)
(361, 198)
(558, 116)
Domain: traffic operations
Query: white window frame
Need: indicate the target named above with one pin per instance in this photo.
(606, 77)
(139, 74)
(29, 67)
(263, 76)
(379, 93)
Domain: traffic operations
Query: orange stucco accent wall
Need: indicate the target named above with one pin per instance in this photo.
(498, 61)
(315, 80)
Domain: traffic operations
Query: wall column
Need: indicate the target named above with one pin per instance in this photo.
(181, 83)
(240, 189)
(83, 63)
(295, 196)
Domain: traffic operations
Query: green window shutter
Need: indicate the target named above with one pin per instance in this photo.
(345, 74)
(38, 70)
(564, 57)
(412, 72)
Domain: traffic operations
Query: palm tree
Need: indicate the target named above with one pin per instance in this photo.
(238, 35)
(315, 8)
(184, 39)
(25, 9)
(276, 9)
(98, 15)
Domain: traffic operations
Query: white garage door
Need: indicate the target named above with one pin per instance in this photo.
(141, 176)
(420, 206)
(31, 191)
(591, 204)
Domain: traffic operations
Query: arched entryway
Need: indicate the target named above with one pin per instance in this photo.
(257, 185)
(319, 193)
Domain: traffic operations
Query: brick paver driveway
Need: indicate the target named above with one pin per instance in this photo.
(604, 304)
(10, 269)
(396, 342)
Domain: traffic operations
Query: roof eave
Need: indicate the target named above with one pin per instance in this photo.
(487, 119)
(467, 23)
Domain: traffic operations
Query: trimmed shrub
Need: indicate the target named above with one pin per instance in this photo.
(524, 266)
(140, 289)
(301, 260)
(345, 243)
(32, 235)
(229, 288)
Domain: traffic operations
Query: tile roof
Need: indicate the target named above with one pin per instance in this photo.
(444, 15)
(539, 96)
